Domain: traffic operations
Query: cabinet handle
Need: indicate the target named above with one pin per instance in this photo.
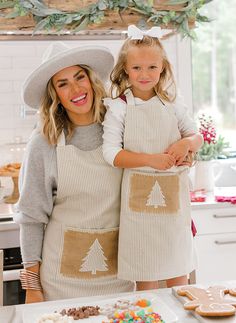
(224, 216)
(224, 242)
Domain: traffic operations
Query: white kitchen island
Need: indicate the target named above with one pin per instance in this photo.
(14, 314)
(216, 262)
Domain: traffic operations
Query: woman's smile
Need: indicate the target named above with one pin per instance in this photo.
(79, 100)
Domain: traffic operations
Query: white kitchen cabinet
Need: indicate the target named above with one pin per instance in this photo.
(215, 241)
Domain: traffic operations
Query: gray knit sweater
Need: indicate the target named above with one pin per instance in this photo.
(38, 186)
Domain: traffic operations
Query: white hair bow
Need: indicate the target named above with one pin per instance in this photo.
(135, 33)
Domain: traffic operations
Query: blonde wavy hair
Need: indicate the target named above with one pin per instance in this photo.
(165, 88)
(54, 116)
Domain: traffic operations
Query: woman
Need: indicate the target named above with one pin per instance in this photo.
(68, 215)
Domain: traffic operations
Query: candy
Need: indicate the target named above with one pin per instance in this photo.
(143, 303)
(135, 317)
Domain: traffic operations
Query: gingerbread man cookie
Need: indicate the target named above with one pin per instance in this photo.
(208, 302)
(232, 291)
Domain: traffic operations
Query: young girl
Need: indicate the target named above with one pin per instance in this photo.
(68, 224)
(149, 133)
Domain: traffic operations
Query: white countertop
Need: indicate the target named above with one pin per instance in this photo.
(13, 314)
(211, 203)
(6, 210)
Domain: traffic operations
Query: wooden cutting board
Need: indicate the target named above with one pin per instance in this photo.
(204, 319)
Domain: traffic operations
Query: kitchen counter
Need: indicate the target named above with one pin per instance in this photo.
(13, 314)
(211, 203)
(9, 230)
(6, 211)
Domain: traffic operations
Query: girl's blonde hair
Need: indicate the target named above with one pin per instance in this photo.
(165, 88)
(54, 116)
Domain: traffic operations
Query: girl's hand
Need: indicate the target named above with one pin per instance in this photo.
(34, 296)
(161, 161)
(179, 150)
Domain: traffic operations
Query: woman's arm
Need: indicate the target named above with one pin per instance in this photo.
(128, 159)
(31, 239)
(180, 149)
(34, 206)
(34, 296)
(194, 142)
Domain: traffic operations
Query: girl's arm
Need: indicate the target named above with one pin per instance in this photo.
(191, 140)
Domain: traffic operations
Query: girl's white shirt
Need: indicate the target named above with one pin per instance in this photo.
(114, 124)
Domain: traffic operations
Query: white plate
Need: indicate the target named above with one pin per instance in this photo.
(31, 315)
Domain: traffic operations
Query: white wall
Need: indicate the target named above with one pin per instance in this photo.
(19, 58)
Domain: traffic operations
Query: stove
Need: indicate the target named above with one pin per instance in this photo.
(10, 244)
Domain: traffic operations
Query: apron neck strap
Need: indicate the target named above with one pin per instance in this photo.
(61, 140)
(131, 102)
(129, 98)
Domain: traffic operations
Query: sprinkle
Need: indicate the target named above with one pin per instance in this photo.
(135, 317)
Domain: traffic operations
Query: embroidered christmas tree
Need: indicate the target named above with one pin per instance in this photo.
(95, 259)
(156, 197)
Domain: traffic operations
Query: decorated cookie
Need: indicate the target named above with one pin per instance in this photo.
(232, 291)
(208, 302)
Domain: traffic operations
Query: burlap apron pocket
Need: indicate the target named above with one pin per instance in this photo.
(89, 254)
(154, 193)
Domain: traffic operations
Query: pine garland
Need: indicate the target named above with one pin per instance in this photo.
(53, 19)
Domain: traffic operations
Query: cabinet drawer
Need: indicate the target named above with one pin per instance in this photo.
(216, 260)
(215, 220)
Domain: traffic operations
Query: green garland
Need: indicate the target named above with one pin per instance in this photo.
(53, 19)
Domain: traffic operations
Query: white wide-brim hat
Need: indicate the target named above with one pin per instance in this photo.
(59, 56)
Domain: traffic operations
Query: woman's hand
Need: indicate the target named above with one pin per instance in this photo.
(33, 296)
(179, 150)
(161, 161)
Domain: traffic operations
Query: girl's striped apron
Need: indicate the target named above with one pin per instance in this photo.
(155, 240)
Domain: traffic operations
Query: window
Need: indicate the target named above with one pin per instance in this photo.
(214, 68)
